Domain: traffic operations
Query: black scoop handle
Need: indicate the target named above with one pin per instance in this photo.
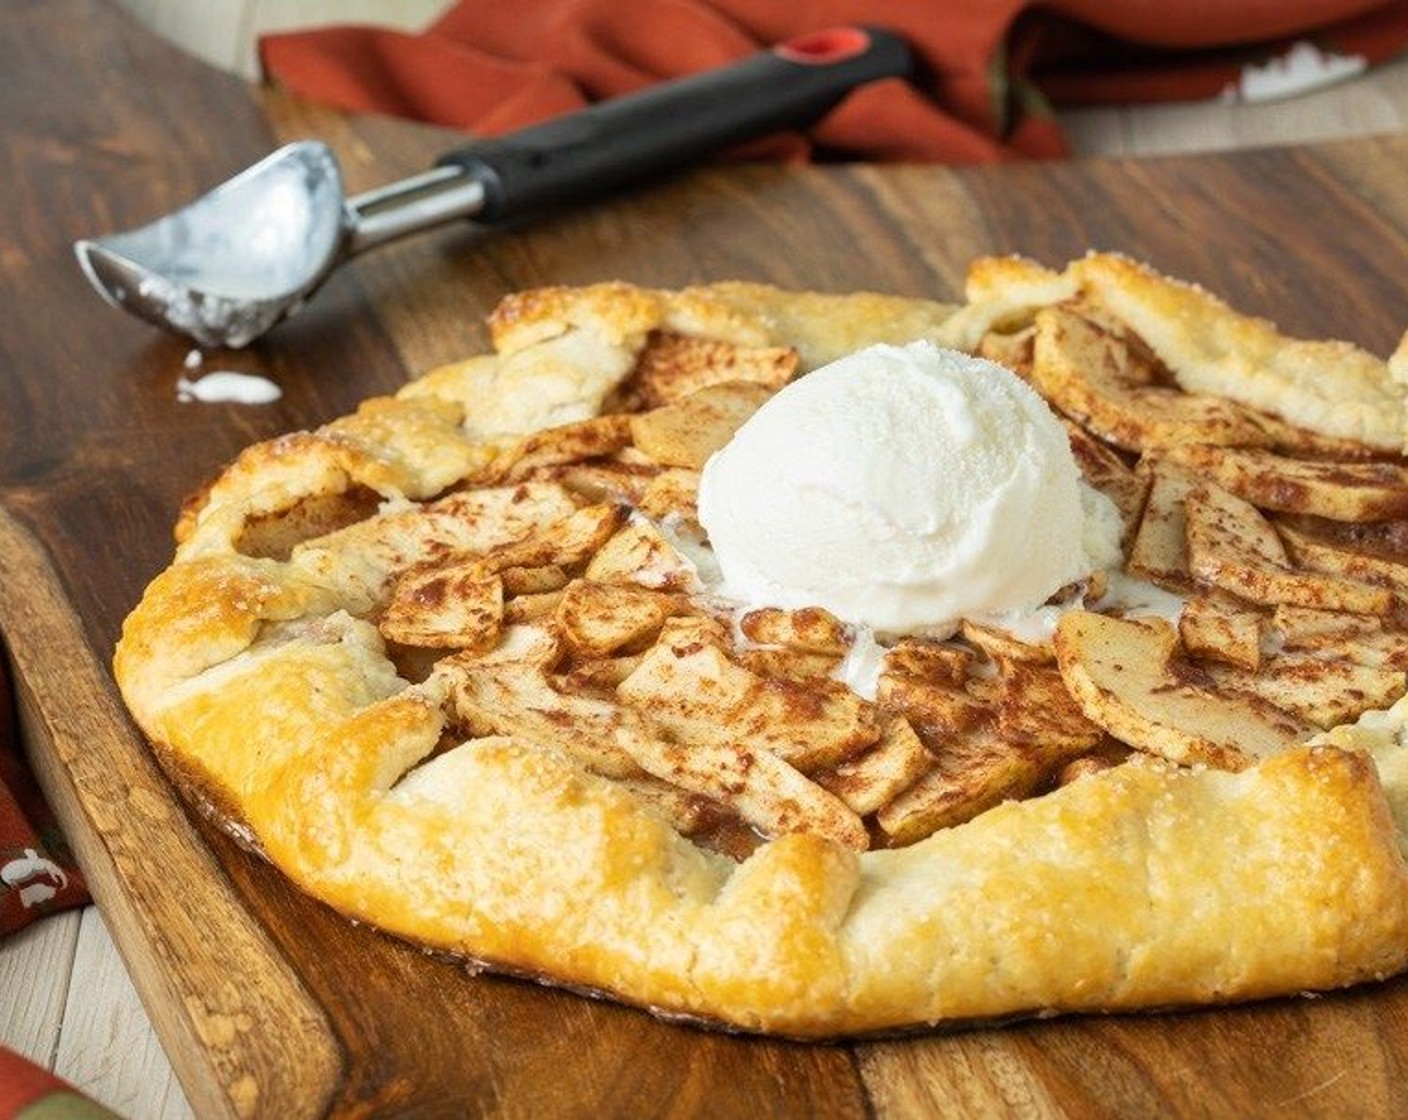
(618, 142)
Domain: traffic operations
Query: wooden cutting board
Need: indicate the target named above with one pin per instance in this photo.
(271, 1005)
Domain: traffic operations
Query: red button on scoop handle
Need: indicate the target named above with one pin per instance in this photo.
(819, 48)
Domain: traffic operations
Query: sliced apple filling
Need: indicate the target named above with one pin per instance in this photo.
(563, 593)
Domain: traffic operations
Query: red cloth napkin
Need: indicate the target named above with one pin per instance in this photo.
(991, 69)
(37, 873)
(37, 877)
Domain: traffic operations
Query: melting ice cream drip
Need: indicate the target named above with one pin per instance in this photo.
(223, 386)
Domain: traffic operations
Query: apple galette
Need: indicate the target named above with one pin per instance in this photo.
(638, 657)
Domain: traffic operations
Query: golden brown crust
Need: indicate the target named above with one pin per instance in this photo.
(1081, 900)
(271, 690)
(1331, 387)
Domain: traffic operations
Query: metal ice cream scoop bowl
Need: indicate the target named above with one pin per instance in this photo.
(230, 265)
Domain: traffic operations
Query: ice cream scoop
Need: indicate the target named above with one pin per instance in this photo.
(230, 265)
(901, 488)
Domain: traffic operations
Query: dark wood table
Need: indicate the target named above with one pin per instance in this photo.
(267, 1003)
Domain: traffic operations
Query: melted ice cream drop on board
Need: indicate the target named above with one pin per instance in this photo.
(224, 386)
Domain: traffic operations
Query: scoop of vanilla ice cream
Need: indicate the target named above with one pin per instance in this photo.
(901, 488)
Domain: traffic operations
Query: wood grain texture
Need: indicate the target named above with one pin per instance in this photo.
(209, 977)
(271, 1004)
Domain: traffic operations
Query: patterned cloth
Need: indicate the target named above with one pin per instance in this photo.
(37, 873)
(37, 877)
(990, 69)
